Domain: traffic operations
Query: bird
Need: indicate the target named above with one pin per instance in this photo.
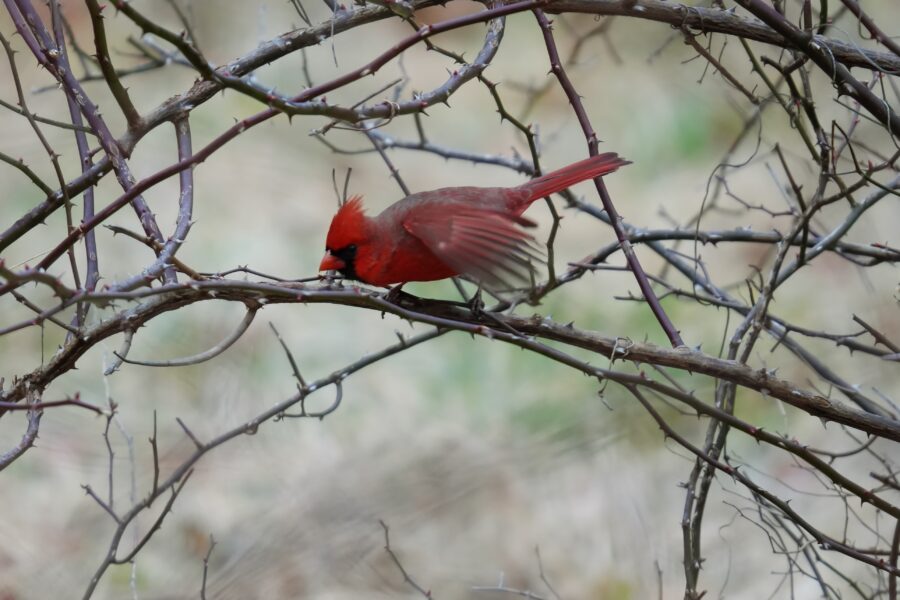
(427, 236)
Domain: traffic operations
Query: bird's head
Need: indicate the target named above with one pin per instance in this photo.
(347, 239)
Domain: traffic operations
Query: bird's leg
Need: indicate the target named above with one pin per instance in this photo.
(332, 278)
(476, 303)
(393, 294)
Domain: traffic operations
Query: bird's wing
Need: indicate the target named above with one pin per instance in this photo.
(488, 245)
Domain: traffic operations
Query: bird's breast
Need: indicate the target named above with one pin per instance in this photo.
(404, 258)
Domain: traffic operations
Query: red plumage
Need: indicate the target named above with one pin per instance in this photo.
(451, 231)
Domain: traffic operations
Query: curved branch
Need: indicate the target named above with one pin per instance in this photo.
(203, 356)
(166, 253)
(121, 353)
(27, 441)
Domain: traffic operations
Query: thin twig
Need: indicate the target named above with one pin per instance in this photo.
(396, 560)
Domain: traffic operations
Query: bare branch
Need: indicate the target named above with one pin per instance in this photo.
(396, 560)
(195, 359)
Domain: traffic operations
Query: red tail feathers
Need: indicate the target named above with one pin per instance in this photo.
(588, 168)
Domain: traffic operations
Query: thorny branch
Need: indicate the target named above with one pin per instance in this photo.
(616, 221)
(834, 167)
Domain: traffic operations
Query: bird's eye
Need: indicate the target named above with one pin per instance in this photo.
(352, 247)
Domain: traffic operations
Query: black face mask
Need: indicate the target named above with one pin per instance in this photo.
(347, 254)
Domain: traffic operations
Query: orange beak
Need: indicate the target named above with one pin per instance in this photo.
(331, 262)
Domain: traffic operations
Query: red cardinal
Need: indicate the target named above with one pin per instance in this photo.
(446, 232)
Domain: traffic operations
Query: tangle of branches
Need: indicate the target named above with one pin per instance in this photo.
(817, 88)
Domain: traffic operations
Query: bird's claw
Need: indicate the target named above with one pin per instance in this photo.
(394, 293)
(476, 303)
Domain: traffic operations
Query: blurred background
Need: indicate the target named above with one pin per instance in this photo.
(473, 452)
